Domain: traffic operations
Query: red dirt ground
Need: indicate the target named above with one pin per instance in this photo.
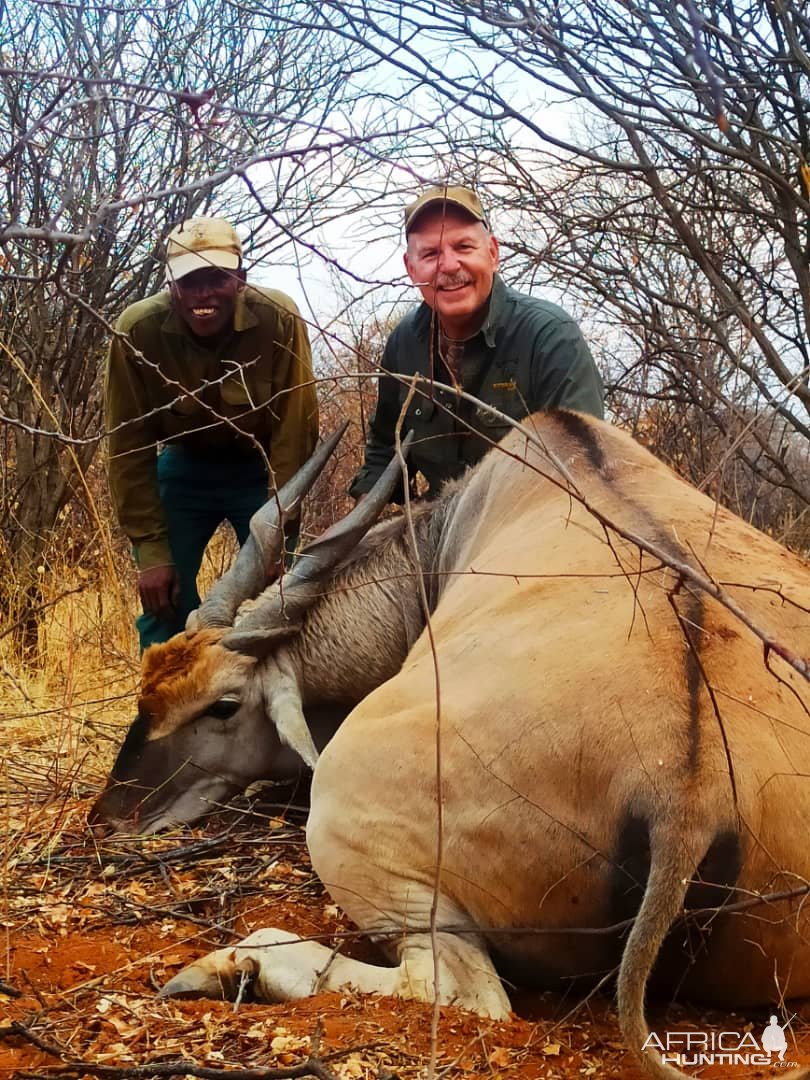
(90, 933)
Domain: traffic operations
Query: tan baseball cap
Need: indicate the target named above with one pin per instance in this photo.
(202, 242)
(462, 197)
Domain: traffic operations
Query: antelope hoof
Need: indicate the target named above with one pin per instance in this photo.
(215, 976)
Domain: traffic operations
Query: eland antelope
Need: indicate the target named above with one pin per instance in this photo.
(577, 708)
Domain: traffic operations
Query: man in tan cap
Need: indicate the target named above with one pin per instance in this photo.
(472, 332)
(206, 383)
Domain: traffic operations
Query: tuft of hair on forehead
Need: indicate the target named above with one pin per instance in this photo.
(170, 659)
(182, 674)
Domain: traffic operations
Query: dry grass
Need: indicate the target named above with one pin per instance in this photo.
(63, 713)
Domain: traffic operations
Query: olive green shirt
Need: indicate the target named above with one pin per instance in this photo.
(254, 389)
(529, 355)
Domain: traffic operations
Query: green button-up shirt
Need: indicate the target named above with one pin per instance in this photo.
(254, 389)
(528, 355)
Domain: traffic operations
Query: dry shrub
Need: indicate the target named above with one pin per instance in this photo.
(347, 390)
(63, 703)
(751, 463)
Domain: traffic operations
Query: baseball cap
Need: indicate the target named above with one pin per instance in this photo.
(462, 197)
(202, 242)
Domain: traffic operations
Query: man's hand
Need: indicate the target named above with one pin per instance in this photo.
(159, 588)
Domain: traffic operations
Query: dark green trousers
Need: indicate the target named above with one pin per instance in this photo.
(197, 495)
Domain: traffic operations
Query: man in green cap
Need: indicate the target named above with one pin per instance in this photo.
(210, 406)
(514, 352)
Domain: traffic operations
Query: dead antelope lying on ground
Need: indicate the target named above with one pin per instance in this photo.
(614, 742)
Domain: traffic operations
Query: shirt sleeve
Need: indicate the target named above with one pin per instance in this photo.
(563, 370)
(294, 409)
(380, 440)
(132, 462)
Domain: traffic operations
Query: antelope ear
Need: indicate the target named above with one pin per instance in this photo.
(291, 725)
(282, 699)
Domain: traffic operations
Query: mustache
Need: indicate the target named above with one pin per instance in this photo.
(452, 281)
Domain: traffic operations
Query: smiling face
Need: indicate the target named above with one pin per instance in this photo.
(205, 299)
(452, 259)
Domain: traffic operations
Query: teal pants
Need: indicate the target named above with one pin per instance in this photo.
(198, 494)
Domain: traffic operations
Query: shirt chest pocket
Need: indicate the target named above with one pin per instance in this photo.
(420, 414)
(240, 391)
(186, 405)
(505, 398)
(236, 390)
(232, 395)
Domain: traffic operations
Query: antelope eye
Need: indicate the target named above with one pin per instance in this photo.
(224, 709)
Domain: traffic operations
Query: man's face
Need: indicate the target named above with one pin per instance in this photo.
(452, 259)
(205, 299)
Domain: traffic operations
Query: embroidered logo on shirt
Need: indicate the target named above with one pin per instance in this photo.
(511, 385)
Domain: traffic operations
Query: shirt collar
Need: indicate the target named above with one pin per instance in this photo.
(497, 306)
(243, 316)
(424, 319)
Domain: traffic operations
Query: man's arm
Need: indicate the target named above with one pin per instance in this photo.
(132, 463)
(380, 440)
(294, 408)
(564, 374)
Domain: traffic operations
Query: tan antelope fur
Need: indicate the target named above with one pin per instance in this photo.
(614, 741)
